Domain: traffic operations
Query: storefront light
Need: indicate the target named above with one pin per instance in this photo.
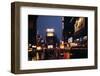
(61, 46)
(33, 46)
(50, 46)
(38, 48)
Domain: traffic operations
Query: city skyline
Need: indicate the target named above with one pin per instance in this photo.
(55, 37)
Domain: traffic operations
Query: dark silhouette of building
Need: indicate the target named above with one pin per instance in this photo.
(32, 29)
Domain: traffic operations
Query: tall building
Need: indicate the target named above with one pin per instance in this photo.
(68, 30)
(50, 53)
(32, 29)
(50, 37)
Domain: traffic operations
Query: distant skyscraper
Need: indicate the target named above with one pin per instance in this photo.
(50, 36)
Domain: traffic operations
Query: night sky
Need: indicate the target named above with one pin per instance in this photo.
(44, 22)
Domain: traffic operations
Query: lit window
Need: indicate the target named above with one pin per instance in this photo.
(50, 34)
(50, 30)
